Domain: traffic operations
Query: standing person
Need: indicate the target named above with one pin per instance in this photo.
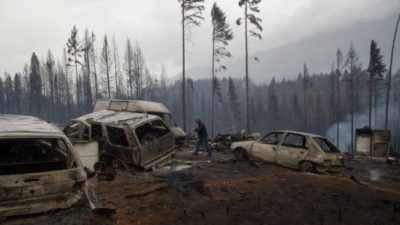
(203, 137)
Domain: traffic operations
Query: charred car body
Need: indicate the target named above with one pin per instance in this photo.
(39, 168)
(149, 107)
(121, 139)
(303, 151)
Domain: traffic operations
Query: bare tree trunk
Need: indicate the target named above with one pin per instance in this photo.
(212, 85)
(370, 101)
(95, 75)
(389, 76)
(337, 106)
(375, 104)
(247, 71)
(183, 69)
(305, 105)
(352, 107)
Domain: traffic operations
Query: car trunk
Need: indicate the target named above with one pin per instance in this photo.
(38, 174)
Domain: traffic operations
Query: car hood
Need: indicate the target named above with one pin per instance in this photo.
(243, 144)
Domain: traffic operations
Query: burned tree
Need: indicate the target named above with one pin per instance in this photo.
(354, 66)
(191, 11)
(250, 8)
(107, 63)
(376, 69)
(221, 35)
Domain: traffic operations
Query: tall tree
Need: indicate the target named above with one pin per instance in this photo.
(221, 35)
(376, 69)
(74, 51)
(138, 68)
(233, 103)
(8, 93)
(389, 75)
(93, 53)
(117, 72)
(2, 99)
(107, 63)
(191, 12)
(35, 86)
(339, 62)
(306, 86)
(50, 70)
(18, 93)
(250, 9)
(87, 83)
(129, 68)
(354, 66)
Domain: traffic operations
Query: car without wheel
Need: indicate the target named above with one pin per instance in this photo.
(121, 139)
(39, 168)
(304, 151)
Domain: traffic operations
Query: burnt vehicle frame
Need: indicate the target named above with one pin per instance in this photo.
(39, 168)
(145, 107)
(121, 139)
(298, 150)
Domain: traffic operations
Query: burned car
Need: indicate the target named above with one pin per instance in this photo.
(138, 106)
(121, 139)
(39, 168)
(303, 151)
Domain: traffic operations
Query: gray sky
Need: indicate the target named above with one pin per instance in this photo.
(28, 26)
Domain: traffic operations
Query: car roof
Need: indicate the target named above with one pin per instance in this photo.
(299, 133)
(25, 124)
(131, 105)
(116, 117)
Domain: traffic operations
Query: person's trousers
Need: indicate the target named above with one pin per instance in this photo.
(203, 141)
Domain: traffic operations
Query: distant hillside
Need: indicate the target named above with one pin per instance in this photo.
(318, 52)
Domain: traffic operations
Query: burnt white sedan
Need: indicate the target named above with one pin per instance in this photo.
(298, 150)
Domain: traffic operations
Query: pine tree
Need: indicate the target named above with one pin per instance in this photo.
(354, 66)
(138, 69)
(129, 68)
(18, 93)
(74, 52)
(250, 8)
(107, 63)
(376, 69)
(191, 12)
(35, 87)
(221, 35)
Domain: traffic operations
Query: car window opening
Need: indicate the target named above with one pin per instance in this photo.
(18, 156)
(149, 132)
(272, 138)
(296, 141)
(326, 145)
(117, 136)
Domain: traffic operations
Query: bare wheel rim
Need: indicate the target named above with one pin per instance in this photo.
(306, 167)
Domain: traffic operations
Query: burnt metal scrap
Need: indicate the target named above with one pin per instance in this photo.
(223, 141)
(121, 139)
(39, 168)
(298, 150)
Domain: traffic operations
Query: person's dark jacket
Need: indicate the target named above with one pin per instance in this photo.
(201, 130)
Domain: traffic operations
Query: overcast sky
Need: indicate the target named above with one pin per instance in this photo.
(28, 26)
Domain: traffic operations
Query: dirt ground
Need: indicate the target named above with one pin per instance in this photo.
(220, 190)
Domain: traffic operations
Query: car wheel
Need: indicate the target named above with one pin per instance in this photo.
(240, 154)
(307, 167)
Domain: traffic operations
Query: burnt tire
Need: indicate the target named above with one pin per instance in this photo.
(240, 154)
(307, 167)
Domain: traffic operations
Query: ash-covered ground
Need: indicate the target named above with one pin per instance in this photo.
(221, 190)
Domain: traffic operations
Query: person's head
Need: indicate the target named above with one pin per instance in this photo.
(197, 120)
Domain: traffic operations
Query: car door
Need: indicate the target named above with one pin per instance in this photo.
(79, 133)
(155, 139)
(265, 149)
(292, 150)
